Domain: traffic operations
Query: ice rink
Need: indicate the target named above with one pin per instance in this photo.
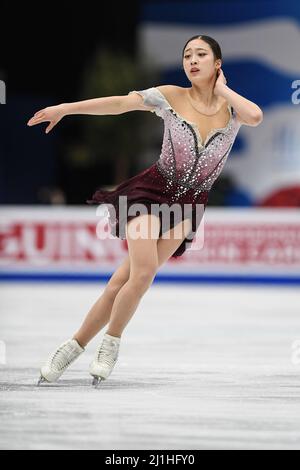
(200, 367)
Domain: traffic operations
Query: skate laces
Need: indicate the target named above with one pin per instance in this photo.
(62, 357)
(108, 352)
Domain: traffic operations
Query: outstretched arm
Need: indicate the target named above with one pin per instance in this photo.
(95, 106)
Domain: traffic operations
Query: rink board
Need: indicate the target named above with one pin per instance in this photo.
(252, 245)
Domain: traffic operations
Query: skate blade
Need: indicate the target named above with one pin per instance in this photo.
(41, 381)
(96, 381)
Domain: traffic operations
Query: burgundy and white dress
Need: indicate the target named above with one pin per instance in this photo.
(183, 174)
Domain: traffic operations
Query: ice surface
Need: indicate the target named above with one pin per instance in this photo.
(200, 367)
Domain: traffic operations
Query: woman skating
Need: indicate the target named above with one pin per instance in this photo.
(200, 127)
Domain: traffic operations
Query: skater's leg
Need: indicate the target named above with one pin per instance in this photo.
(99, 314)
(143, 267)
(172, 240)
(98, 317)
(142, 271)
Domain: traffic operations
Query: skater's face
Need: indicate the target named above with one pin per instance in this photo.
(199, 54)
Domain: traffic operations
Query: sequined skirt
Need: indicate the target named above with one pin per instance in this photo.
(152, 188)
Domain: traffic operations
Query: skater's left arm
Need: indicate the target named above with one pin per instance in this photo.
(247, 112)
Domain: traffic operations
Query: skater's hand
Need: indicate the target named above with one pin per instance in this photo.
(52, 113)
(220, 82)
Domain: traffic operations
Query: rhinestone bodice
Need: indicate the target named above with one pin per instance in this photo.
(185, 160)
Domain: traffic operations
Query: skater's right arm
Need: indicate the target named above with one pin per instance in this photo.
(96, 106)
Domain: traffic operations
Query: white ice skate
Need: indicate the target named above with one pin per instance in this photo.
(58, 362)
(105, 358)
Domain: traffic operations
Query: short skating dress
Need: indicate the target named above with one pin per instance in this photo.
(183, 174)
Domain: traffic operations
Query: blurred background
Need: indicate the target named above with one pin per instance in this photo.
(61, 53)
(64, 54)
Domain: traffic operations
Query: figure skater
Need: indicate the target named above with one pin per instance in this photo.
(200, 127)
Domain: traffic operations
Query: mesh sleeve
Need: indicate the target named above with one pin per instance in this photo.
(151, 98)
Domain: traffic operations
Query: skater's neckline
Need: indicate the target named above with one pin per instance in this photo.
(194, 125)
